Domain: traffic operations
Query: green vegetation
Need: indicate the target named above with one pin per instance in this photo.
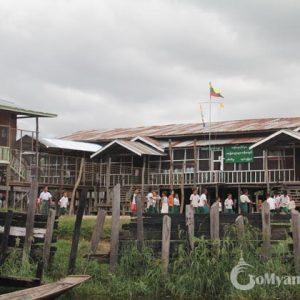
(201, 274)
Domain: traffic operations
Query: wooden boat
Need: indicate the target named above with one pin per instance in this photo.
(47, 291)
(19, 282)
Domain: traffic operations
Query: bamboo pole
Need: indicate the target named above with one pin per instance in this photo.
(72, 204)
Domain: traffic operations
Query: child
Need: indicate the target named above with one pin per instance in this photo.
(133, 205)
(165, 205)
(228, 204)
(284, 202)
(176, 204)
(203, 203)
(220, 204)
(195, 198)
(63, 204)
(271, 202)
(171, 202)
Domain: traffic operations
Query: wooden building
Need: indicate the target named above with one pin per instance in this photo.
(258, 154)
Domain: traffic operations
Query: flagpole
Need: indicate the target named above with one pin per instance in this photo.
(209, 132)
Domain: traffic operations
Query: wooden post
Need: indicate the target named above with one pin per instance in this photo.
(182, 189)
(48, 238)
(5, 237)
(238, 199)
(98, 231)
(166, 237)
(266, 170)
(143, 176)
(296, 239)
(140, 223)
(195, 164)
(30, 220)
(114, 239)
(72, 204)
(108, 166)
(266, 231)
(214, 222)
(171, 164)
(190, 223)
(76, 232)
(240, 227)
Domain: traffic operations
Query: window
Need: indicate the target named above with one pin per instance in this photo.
(178, 154)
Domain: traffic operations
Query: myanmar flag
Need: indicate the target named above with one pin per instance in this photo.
(214, 92)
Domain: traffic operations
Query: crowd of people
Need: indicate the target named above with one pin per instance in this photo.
(170, 204)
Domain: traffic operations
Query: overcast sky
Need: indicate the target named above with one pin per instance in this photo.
(119, 63)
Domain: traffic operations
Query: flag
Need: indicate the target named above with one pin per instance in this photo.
(214, 92)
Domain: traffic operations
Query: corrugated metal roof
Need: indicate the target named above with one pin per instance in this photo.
(69, 145)
(215, 142)
(11, 107)
(284, 132)
(151, 142)
(135, 147)
(173, 130)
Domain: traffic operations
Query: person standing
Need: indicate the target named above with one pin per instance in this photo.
(228, 204)
(63, 204)
(149, 198)
(164, 203)
(203, 203)
(276, 197)
(46, 200)
(220, 204)
(284, 202)
(171, 202)
(195, 198)
(133, 204)
(271, 202)
(244, 201)
(176, 204)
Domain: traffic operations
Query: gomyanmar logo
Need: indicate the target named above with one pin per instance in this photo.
(265, 279)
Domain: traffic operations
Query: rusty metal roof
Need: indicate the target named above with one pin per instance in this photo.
(135, 147)
(290, 134)
(178, 130)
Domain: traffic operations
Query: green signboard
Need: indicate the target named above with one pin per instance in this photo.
(238, 154)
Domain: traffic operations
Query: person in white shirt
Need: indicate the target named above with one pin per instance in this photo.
(271, 202)
(45, 200)
(63, 204)
(203, 203)
(149, 201)
(176, 204)
(276, 197)
(164, 203)
(284, 202)
(244, 200)
(220, 204)
(228, 204)
(195, 198)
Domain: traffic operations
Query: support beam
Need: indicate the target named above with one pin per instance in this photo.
(114, 238)
(98, 231)
(190, 223)
(195, 164)
(108, 166)
(166, 237)
(296, 239)
(171, 164)
(140, 222)
(214, 222)
(266, 231)
(48, 238)
(30, 221)
(76, 232)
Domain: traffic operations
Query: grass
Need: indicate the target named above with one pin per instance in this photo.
(200, 274)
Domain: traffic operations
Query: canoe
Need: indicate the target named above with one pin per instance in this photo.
(47, 291)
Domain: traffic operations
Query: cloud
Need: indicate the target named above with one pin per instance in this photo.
(104, 64)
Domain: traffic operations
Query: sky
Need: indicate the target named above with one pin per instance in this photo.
(126, 63)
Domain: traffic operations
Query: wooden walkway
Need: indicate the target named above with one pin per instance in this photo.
(47, 291)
